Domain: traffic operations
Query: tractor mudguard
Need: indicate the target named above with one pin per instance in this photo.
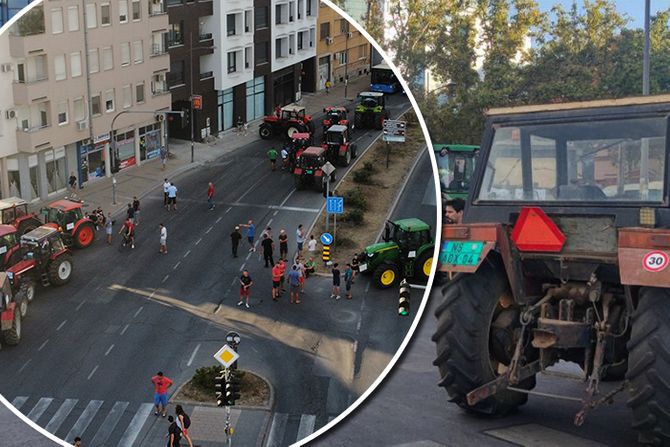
(644, 255)
(485, 235)
(7, 317)
(21, 267)
(58, 254)
(343, 149)
(79, 223)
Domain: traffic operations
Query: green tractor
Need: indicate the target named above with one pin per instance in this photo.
(370, 111)
(406, 252)
(455, 166)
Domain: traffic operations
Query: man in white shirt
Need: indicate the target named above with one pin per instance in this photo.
(311, 245)
(163, 248)
(172, 196)
(166, 185)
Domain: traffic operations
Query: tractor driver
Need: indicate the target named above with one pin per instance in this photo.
(453, 211)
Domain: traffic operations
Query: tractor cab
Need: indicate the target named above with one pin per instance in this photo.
(14, 211)
(335, 115)
(337, 135)
(294, 112)
(455, 166)
(313, 157)
(370, 111)
(41, 243)
(371, 100)
(337, 142)
(9, 246)
(308, 170)
(67, 216)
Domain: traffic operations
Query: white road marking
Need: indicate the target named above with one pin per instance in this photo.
(269, 222)
(39, 409)
(92, 372)
(234, 281)
(109, 350)
(275, 213)
(61, 414)
(165, 278)
(287, 197)
(208, 230)
(60, 326)
(219, 219)
(187, 253)
(229, 208)
(109, 423)
(138, 311)
(195, 351)
(84, 420)
(80, 304)
(176, 265)
(279, 207)
(24, 365)
(242, 266)
(125, 328)
(19, 401)
(306, 428)
(277, 430)
(249, 255)
(133, 430)
(198, 241)
(536, 434)
(43, 345)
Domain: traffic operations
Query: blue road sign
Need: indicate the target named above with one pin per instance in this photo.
(335, 205)
(326, 238)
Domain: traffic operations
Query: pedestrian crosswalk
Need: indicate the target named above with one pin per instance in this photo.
(287, 429)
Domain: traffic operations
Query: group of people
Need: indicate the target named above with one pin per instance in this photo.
(181, 422)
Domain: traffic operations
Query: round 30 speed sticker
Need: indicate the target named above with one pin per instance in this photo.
(655, 261)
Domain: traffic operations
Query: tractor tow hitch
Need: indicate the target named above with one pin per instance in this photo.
(502, 382)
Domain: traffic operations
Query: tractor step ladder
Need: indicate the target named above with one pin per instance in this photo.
(45, 279)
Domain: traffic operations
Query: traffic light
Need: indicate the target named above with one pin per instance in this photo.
(219, 387)
(232, 388)
(403, 304)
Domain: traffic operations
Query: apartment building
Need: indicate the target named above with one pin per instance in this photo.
(342, 52)
(188, 42)
(87, 82)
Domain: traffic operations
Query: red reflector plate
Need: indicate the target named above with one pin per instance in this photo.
(535, 231)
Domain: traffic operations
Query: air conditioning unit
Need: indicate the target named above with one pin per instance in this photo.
(81, 125)
(6, 67)
(10, 114)
(160, 116)
(329, 40)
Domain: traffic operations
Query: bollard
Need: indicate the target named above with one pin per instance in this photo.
(403, 304)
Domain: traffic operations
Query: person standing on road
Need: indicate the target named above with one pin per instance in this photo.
(276, 278)
(284, 158)
(210, 196)
(282, 269)
(300, 238)
(72, 181)
(283, 243)
(108, 228)
(161, 385)
(348, 280)
(294, 284)
(328, 85)
(163, 248)
(354, 267)
(311, 245)
(336, 282)
(235, 238)
(301, 269)
(268, 249)
(136, 207)
(172, 197)
(174, 433)
(272, 155)
(184, 423)
(164, 156)
(245, 288)
(130, 213)
(251, 233)
(166, 186)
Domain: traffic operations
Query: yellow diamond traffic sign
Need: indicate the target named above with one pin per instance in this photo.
(226, 356)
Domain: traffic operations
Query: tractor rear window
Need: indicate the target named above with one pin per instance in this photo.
(596, 161)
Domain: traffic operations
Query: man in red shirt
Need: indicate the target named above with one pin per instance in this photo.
(161, 385)
(128, 231)
(276, 278)
(210, 196)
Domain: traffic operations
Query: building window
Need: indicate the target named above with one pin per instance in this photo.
(300, 41)
(363, 51)
(291, 11)
(325, 30)
(78, 109)
(127, 96)
(105, 15)
(309, 8)
(232, 59)
(344, 26)
(109, 101)
(96, 105)
(261, 53)
(59, 67)
(62, 113)
(247, 57)
(125, 53)
(93, 62)
(176, 34)
(91, 15)
(137, 49)
(281, 14)
(107, 58)
(255, 98)
(75, 64)
(123, 11)
(56, 173)
(342, 57)
(73, 18)
(261, 17)
(176, 74)
(230, 25)
(57, 20)
(247, 21)
(136, 10)
(158, 84)
(174, 2)
(139, 93)
(281, 47)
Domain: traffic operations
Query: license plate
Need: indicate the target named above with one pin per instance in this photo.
(309, 171)
(362, 267)
(461, 253)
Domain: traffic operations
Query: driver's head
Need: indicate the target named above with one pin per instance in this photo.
(453, 211)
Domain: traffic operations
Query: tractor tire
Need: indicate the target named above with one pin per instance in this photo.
(386, 275)
(423, 265)
(649, 366)
(358, 121)
(60, 270)
(345, 160)
(22, 306)
(310, 127)
(12, 336)
(28, 289)
(27, 226)
(379, 121)
(354, 150)
(299, 184)
(290, 130)
(265, 131)
(84, 236)
(467, 338)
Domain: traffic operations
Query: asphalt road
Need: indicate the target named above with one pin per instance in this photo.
(91, 347)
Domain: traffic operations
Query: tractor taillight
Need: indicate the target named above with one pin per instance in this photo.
(535, 231)
(647, 217)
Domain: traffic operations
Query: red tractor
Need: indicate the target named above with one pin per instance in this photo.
(308, 170)
(12, 311)
(290, 119)
(339, 149)
(299, 142)
(9, 246)
(14, 212)
(67, 216)
(336, 115)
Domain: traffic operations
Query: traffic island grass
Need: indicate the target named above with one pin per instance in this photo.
(254, 391)
(369, 191)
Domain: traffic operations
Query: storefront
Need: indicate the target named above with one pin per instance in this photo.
(225, 108)
(56, 171)
(255, 98)
(284, 86)
(124, 149)
(150, 141)
(91, 159)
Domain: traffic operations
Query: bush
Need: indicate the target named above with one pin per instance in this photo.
(344, 242)
(356, 199)
(355, 216)
(204, 377)
(363, 176)
(370, 167)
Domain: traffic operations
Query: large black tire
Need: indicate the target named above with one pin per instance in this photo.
(60, 270)
(354, 150)
(358, 121)
(12, 336)
(22, 306)
(379, 121)
(386, 275)
(290, 130)
(265, 131)
(423, 262)
(345, 160)
(464, 335)
(649, 366)
(28, 289)
(311, 128)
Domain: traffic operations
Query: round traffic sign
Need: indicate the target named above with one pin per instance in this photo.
(326, 238)
(655, 261)
(233, 337)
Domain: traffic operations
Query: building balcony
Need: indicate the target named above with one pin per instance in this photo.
(158, 50)
(27, 92)
(33, 139)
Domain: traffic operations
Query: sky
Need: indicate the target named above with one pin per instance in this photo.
(633, 8)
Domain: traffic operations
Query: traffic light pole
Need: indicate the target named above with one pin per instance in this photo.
(228, 430)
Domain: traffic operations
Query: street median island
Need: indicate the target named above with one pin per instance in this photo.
(369, 191)
(254, 390)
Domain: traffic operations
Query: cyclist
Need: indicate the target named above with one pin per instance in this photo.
(128, 231)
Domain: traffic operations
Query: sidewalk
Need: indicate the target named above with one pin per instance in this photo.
(141, 180)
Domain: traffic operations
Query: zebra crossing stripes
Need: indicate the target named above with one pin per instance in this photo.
(19, 401)
(84, 420)
(39, 409)
(109, 424)
(61, 414)
(133, 430)
(283, 432)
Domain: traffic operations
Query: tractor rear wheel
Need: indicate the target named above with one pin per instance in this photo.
(60, 270)
(265, 131)
(84, 236)
(353, 150)
(386, 275)
(423, 265)
(290, 130)
(345, 159)
(379, 121)
(27, 289)
(476, 337)
(12, 336)
(22, 305)
(358, 120)
(649, 366)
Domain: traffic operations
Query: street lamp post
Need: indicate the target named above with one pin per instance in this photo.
(346, 60)
(647, 49)
(191, 111)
